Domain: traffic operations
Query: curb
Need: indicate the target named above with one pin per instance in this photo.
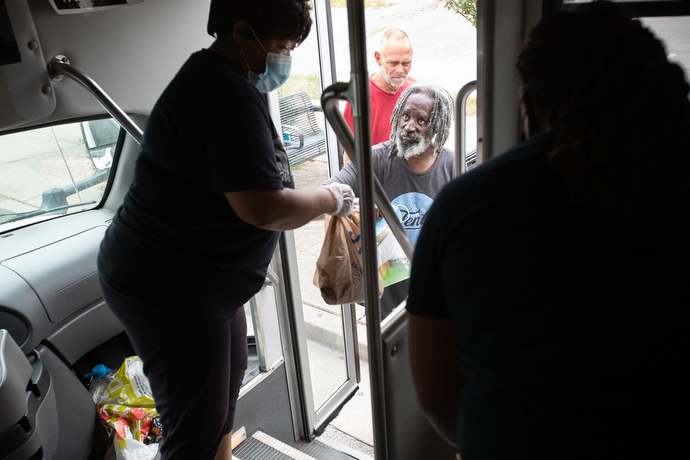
(326, 328)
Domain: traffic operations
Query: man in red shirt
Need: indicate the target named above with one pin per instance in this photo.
(387, 84)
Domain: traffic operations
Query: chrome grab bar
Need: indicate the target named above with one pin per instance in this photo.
(461, 126)
(59, 67)
(357, 93)
(271, 278)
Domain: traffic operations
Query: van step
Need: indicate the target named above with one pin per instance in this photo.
(261, 446)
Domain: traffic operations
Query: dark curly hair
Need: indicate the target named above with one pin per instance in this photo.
(619, 110)
(279, 19)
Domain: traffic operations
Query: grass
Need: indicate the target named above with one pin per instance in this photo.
(371, 34)
(471, 106)
(308, 83)
(367, 3)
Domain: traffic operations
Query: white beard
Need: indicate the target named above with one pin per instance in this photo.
(409, 151)
(389, 79)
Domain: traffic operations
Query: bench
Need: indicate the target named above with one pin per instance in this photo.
(303, 137)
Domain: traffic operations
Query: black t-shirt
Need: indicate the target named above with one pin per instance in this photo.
(570, 327)
(175, 240)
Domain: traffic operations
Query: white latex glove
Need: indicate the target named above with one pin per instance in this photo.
(344, 196)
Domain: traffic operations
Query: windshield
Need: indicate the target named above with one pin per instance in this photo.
(53, 171)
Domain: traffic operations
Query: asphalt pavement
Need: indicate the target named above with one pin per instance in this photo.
(447, 59)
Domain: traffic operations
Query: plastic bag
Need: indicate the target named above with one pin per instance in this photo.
(339, 269)
(393, 264)
(128, 409)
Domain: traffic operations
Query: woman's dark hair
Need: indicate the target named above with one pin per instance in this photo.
(619, 110)
(279, 19)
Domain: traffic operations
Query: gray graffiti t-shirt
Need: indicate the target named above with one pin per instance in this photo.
(411, 192)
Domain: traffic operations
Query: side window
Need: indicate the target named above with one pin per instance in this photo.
(53, 171)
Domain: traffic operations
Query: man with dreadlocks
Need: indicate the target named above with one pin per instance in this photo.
(413, 165)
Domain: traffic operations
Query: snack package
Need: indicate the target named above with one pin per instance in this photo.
(128, 410)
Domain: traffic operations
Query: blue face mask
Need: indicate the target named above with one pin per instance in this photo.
(276, 73)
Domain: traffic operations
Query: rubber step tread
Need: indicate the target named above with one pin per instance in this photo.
(321, 451)
(261, 446)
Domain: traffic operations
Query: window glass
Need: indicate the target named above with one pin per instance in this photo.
(448, 62)
(673, 31)
(53, 171)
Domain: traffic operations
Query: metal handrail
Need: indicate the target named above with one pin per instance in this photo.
(461, 126)
(271, 278)
(60, 67)
(357, 93)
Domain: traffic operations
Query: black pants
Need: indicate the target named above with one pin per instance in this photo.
(195, 365)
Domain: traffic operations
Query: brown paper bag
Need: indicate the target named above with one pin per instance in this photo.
(339, 268)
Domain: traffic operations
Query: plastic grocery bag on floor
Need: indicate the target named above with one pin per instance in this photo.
(339, 269)
(128, 410)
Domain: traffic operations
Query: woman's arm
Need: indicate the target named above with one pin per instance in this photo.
(277, 210)
(436, 375)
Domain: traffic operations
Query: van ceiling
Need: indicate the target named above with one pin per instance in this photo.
(131, 52)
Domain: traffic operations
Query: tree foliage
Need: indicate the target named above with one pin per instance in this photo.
(465, 8)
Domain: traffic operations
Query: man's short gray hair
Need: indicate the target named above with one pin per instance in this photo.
(441, 115)
(393, 35)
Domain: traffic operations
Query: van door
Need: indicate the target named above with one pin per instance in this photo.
(325, 336)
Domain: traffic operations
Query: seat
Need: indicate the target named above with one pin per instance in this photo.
(27, 402)
(303, 137)
(45, 410)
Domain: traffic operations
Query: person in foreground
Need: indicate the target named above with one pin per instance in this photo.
(192, 241)
(548, 291)
(412, 166)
